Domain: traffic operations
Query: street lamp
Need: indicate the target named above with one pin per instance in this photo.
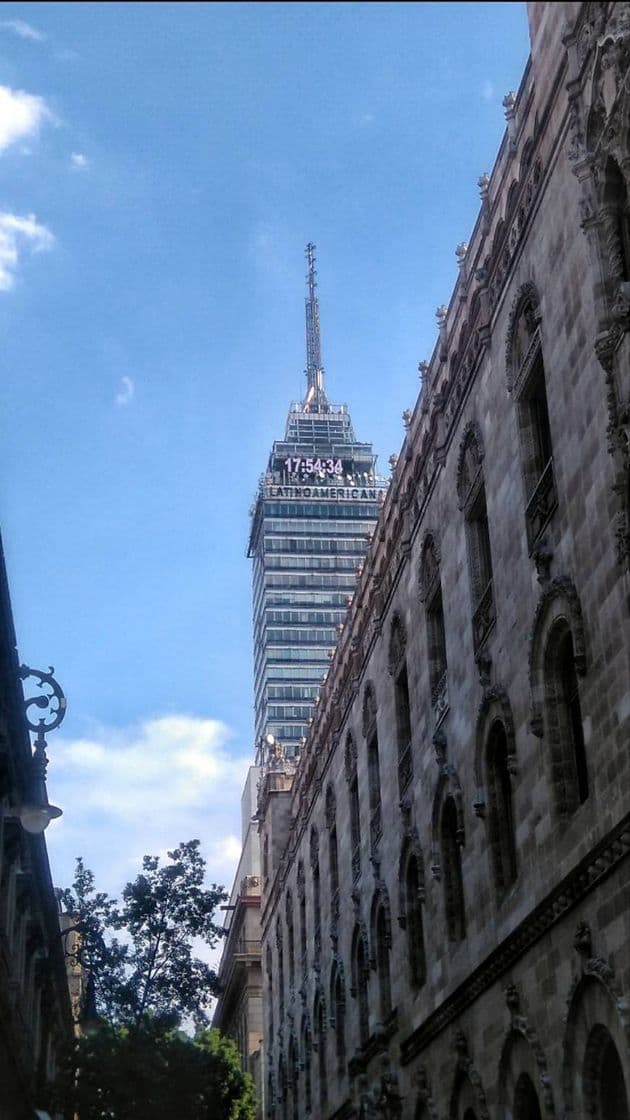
(37, 813)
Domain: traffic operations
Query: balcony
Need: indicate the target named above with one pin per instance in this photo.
(484, 617)
(541, 505)
(439, 697)
(405, 768)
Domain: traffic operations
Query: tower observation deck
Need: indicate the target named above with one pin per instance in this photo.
(316, 505)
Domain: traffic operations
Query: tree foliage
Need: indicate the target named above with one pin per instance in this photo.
(144, 981)
(148, 1073)
(140, 954)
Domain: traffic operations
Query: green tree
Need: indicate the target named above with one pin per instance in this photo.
(143, 982)
(148, 1073)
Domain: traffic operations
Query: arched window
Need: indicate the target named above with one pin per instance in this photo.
(319, 1020)
(280, 948)
(526, 1105)
(283, 1089)
(301, 889)
(603, 1077)
(294, 1082)
(317, 904)
(596, 1071)
(452, 872)
(270, 1102)
(398, 670)
(472, 500)
(307, 1048)
(431, 594)
(500, 817)
(269, 1001)
(338, 1003)
(374, 777)
(360, 982)
(290, 938)
(355, 815)
(333, 856)
(414, 923)
(265, 859)
(564, 721)
(382, 965)
(526, 377)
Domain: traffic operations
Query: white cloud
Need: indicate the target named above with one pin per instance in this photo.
(488, 90)
(126, 392)
(17, 235)
(23, 30)
(141, 790)
(78, 159)
(21, 114)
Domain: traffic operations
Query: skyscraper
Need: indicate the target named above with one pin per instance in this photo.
(316, 506)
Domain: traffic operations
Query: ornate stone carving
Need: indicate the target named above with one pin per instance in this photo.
(560, 590)
(542, 554)
(583, 941)
(524, 321)
(483, 661)
(423, 1087)
(439, 747)
(471, 454)
(512, 999)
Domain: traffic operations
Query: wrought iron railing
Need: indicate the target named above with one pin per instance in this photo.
(405, 768)
(484, 617)
(541, 504)
(439, 695)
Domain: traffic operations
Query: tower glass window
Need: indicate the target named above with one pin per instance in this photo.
(316, 504)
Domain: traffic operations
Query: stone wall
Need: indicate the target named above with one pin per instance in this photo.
(471, 951)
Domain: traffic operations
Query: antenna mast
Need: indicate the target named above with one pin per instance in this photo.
(315, 395)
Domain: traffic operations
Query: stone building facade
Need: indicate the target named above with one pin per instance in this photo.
(238, 1011)
(446, 904)
(36, 1022)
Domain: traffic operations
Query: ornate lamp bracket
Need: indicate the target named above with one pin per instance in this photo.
(37, 813)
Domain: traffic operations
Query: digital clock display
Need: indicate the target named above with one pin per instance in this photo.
(296, 465)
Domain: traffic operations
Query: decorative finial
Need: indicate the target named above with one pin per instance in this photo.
(423, 369)
(483, 183)
(509, 104)
(393, 462)
(406, 418)
(440, 314)
(460, 252)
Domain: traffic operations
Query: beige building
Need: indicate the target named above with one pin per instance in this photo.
(238, 1012)
(446, 877)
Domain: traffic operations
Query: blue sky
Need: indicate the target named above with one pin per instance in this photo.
(162, 167)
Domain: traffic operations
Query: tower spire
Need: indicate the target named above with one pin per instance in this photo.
(315, 394)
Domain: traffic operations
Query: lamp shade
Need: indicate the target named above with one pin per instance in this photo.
(36, 818)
